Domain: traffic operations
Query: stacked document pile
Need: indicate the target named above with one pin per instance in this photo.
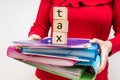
(77, 60)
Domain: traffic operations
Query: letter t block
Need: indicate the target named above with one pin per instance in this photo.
(60, 13)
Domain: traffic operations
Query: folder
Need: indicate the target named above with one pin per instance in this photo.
(72, 61)
(80, 71)
(76, 47)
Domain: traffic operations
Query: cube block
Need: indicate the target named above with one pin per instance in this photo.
(59, 38)
(60, 25)
(60, 13)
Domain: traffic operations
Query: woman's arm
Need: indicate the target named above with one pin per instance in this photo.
(116, 26)
(42, 24)
(113, 45)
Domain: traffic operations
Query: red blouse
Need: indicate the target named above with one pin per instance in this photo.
(87, 19)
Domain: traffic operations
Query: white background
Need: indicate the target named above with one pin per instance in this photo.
(16, 18)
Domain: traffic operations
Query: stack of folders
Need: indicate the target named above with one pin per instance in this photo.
(77, 60)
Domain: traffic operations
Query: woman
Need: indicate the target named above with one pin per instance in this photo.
(91, 19)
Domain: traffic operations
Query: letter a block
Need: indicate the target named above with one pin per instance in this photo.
(60, 25)
(60, 13)
(59, 38)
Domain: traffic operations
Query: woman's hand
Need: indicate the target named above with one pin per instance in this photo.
(105, 47)
(34, 37)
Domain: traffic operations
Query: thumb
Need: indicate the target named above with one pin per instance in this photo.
(95, 40)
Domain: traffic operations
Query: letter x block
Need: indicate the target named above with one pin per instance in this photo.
(60, 13)
(59, 38)
(60, 25)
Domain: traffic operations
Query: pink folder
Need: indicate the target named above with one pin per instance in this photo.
(58, 61)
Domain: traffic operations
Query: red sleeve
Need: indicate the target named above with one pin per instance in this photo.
(42, 23)
(116, 26)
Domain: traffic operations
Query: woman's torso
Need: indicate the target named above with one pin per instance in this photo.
(86, 19)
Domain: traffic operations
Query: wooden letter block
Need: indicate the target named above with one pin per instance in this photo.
(59, 38)
(60, 25)
(60, 13)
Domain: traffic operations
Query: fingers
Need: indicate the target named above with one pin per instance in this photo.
(95, 40)
(34, 37)
(104, 59)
